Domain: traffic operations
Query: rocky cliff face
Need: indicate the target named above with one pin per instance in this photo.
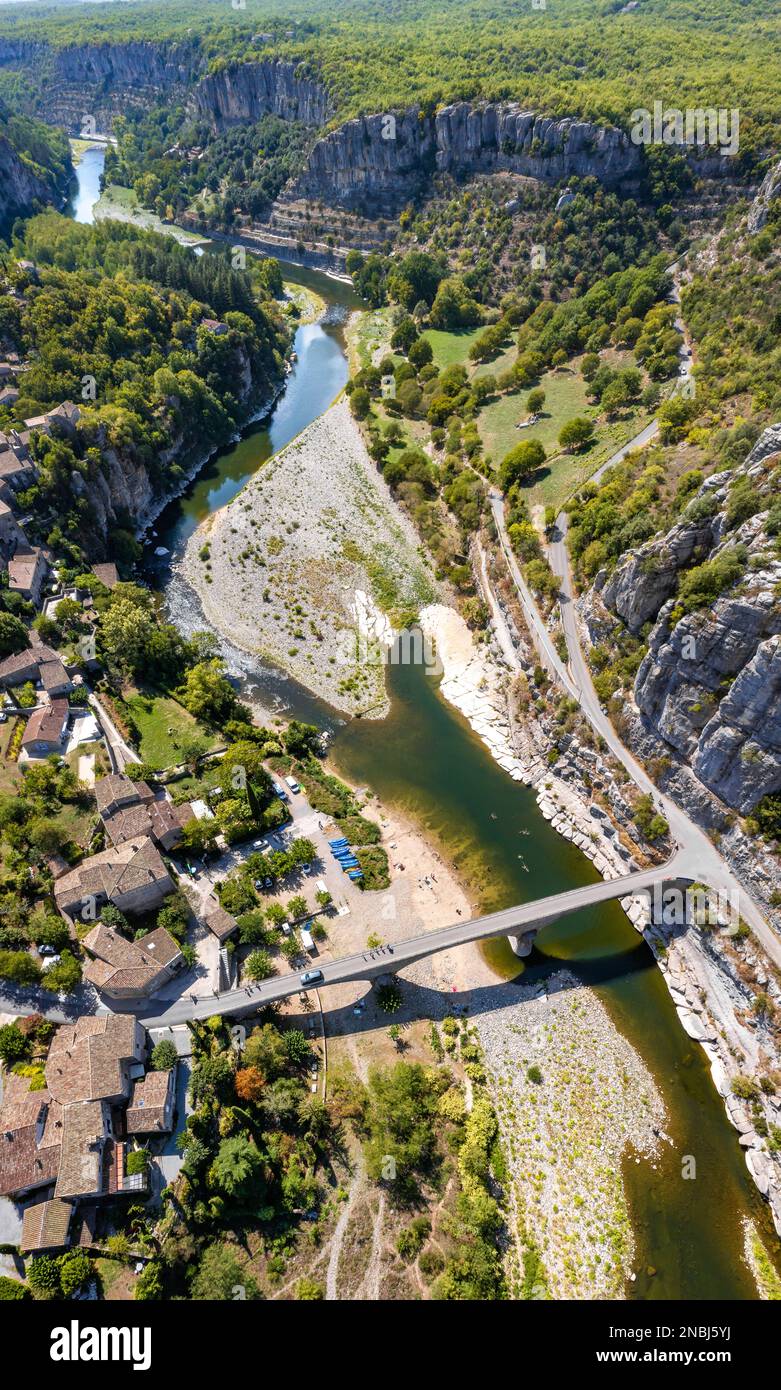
(123, 491)
(20, 187)
(100, 80)
(383, 160)
(246, 91)
(709, 688)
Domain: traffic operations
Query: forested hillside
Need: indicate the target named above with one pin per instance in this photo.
(165, 353)
(575, 57)
(35, 164)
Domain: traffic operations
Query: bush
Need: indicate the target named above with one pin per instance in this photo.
(14, 1046)
(44, 1277)
(259, 966)
(164, 1055)
(11, 1289)
(65, 976)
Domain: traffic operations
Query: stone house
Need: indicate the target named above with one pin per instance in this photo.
(131, 875)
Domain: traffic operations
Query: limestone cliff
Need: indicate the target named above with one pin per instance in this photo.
(20, 186)
(708, 691)
(383, 160)
(244, 92)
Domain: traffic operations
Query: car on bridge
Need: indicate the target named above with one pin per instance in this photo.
(310, 977)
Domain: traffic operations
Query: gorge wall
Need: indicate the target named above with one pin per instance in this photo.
(708, 692)
(379, 162)
(375, 162)
(20, 186)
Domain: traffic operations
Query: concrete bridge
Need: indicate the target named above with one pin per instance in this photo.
(520, 924)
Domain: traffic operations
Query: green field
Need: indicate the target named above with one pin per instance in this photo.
(451, 347)
(121, 205)
(154, 716)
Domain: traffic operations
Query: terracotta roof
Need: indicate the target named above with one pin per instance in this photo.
(108, 574)
(52, 673)
(87, 1059)
(22, 661)
(30, 1136)
(23, 569)
(117, 790)
(85, 1129)
(45, 1225)
(127, 824)
(146, 1107)
(126, 965)
(220, 922)
(47, 723)
(156, 817)
(114, 872)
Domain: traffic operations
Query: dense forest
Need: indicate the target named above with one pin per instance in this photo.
(572, 58)
(170, 161)
(122, 321)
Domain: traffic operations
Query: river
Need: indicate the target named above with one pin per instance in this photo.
(425, 759)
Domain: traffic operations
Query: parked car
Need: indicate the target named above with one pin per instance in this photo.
(293, 784)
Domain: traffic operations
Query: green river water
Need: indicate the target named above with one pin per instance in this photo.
(425, 759)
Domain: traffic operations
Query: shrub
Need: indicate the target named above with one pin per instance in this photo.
(11, 1289)
(164, 1055)
(13, 1044)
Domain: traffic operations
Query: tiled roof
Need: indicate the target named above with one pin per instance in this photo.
(45, 1225)
(123, 964)
(52, 673)
(30, 1136)
(220, 922)
(21, 661)
(107, 574)
(117, 790)
(146, 1107)
(86, 1059)
(23, 569)
(81, 1162)
(116, 871)
(46, 723)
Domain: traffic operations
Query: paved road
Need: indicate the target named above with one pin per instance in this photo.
(700, 854)
(367, 965)
(120, 752)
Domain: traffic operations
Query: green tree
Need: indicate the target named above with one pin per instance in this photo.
(14, 1046)
(43, 1276)
(13, 635)
(164, 1055)
(220, 1276)
(237, 1168)
(522, 460)
(576, 433)
(259, 966)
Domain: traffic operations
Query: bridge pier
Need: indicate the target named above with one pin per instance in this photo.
(521, 945)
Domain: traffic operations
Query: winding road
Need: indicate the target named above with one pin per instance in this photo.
(695, 848)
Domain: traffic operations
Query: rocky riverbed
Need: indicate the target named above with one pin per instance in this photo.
(573, 1100)
(312, 566)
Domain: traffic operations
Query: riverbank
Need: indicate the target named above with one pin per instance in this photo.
(574, 1102)
(312, 566)
(713, 979)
